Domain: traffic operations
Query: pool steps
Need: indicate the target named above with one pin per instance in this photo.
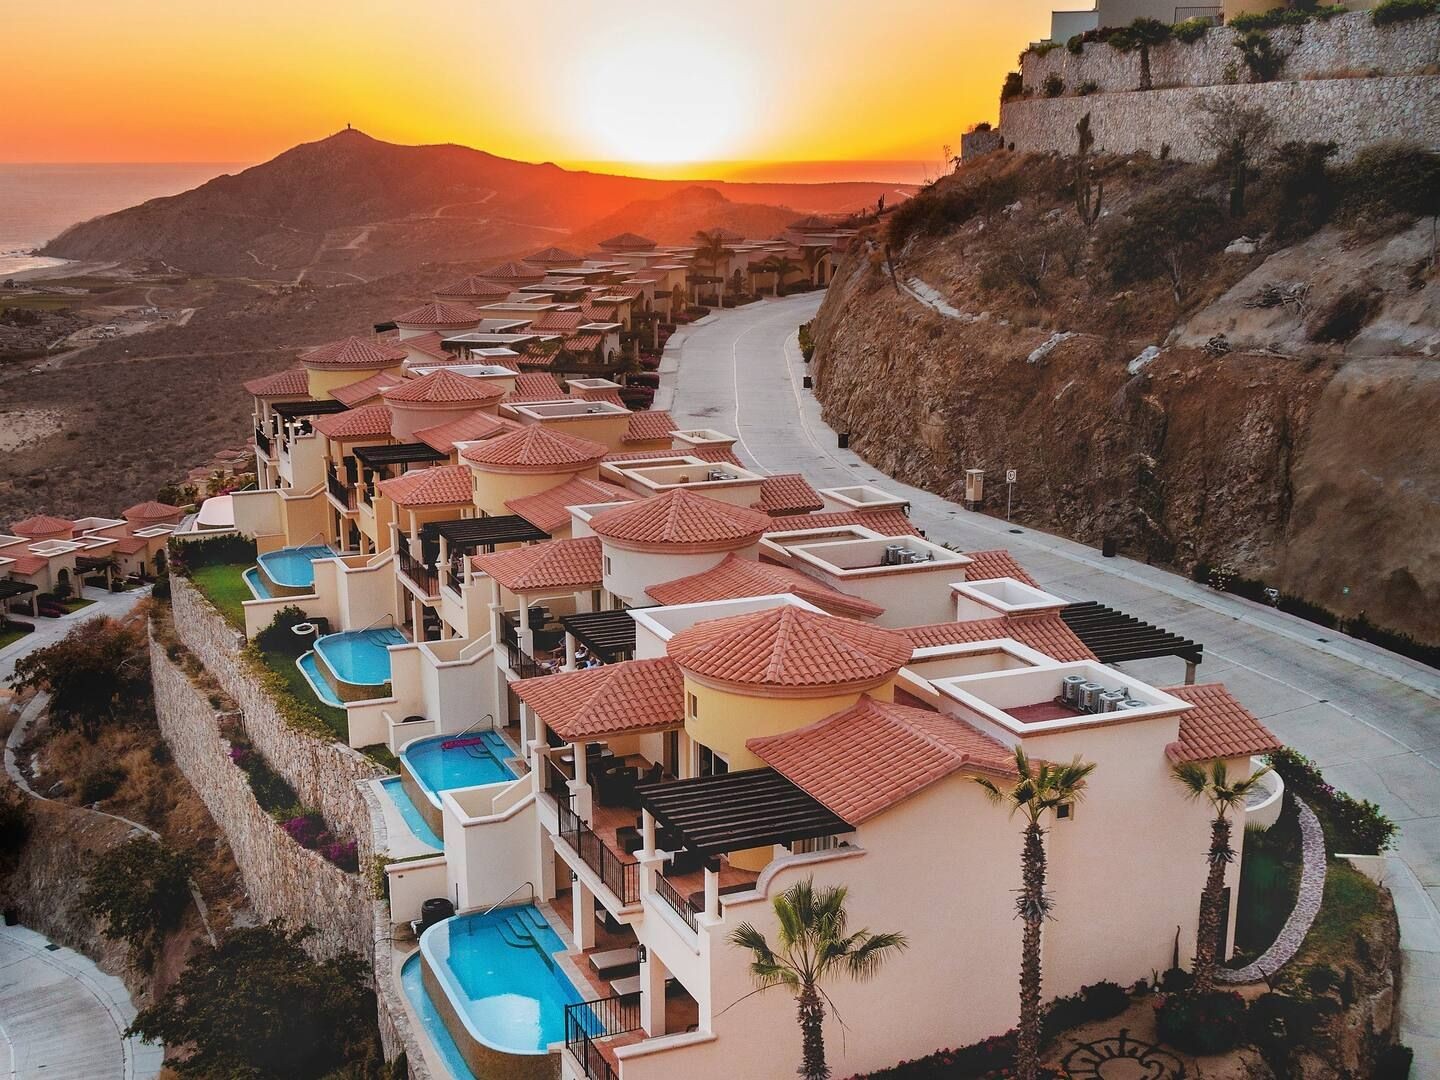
(523, 927)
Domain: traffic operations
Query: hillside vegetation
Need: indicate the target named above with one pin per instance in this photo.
(1264, 412)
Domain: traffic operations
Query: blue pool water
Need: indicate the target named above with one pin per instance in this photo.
(501, 979)
(291, 566)
(310, 668)
(438, 769)
(395, 789)
(414, 985)
(257, 584)
(359, 656)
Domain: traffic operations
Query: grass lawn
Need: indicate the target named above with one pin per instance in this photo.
(381, 755)
(9, 637)
(296, 685)
(1351, 901)
(76, 603)
(226, 589)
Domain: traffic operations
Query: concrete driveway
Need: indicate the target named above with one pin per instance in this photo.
(49, 631)
(1370, 718)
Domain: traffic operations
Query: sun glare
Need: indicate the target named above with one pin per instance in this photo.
(675, 99)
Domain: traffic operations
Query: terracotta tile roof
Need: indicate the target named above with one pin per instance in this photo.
(996, 564)
(788, 493)
(132, 545)
(429, 344)
(555, 255)
(680, 518)
(443, 485)
(366, 422)
(441, 314)
(474, 287)
(875, 754)
(580, 343)
(633, 696)
(1217, 727)
(358, 393)
(1046, 633)
(535, 386)
(445, 387)
(791, 647)
(628, 240)
(285, 383)
(536, 448)
(151, 511)
(557, 321)
(885, 522)
(537, 361)
(548, 510)
(713, 454)
(601, 311)
(26, 564)
(354, 352)
(735, 578)
(514, 271)
(477, 425)
(647, 426)
(42, 525)
(555, 564)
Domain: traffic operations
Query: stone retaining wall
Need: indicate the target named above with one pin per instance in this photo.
(1352, 112)
(324, 774)
(1345, 46)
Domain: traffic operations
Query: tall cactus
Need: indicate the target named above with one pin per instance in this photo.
(1088, 197)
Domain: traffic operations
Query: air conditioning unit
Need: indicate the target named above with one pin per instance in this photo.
(1070, 689)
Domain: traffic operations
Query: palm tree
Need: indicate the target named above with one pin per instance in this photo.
(810, 257)
(1143, 34)
(1216, 788)
(712, 251)
(814, 943)
(779, 265)
(1036, 791)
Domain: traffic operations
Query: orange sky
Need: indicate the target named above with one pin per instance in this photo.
(665, 87)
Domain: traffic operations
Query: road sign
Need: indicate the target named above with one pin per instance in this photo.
(1009, 476)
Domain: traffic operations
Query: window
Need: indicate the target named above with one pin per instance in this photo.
(711, 763)
(1065, 812)
(819, 843)
(692, 706)
(608, 570)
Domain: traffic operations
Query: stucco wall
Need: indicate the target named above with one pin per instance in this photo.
(1347, 45)
(1352, 112)
(323, 774)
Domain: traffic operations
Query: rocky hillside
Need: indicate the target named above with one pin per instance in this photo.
(1276, 419)
(675, 218)
(350, 205)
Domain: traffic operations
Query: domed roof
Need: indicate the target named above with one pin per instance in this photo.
(353, 352)
(535, 448)
(443, 387)
(680, 518)
(789, 647)
(439, 315)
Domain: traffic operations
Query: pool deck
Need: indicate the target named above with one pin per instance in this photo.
(400, 841)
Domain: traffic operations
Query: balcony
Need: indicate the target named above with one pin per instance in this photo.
(587, 1022)
(341, 492)
(425, 578)
(620, 876)
(262, 441)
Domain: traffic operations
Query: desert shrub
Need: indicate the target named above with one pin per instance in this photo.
(1013, 87)
(1076, 44)
(1238, 133)
(1270, 20)
(1304, 191)
(279, 636)
(1326, 12)
(1175, 981)
(1346, 315)
(276, 797)
(1053, 86)
(1278, 1023)
(100, 782)
(1261, 56)
(1393, 178)
(1397, 11)
(1021, 258)
(1161, 234)
(1088, 87)
(140, 889)
(1210, 1023)
(1099, 1001)
(97, 674)
(1045, 47)
(1191, 30)
(1354, 826)
(14, 827)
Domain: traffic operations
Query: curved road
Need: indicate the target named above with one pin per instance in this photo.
(1370, 718)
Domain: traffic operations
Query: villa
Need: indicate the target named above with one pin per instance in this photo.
(637, 689)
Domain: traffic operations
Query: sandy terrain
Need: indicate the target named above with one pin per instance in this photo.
(22, 427)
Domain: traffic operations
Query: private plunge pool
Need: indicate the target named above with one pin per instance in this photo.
(488, 990)
(443, 762)
(350, 666)
(288, 571)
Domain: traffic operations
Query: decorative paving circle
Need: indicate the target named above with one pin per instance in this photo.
(1120, 1057)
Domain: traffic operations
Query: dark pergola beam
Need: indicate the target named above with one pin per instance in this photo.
(734, 811)
(1115, 637)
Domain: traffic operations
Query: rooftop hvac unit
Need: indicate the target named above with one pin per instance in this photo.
(1110, 700)
(1070, 689)
(1090, 696)
(891, 555)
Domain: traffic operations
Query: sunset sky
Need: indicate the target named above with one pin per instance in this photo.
(664, 88)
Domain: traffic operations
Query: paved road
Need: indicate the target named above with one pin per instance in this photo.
(1370, 718)
(62, 1018)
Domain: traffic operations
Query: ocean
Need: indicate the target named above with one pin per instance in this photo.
(38, 202)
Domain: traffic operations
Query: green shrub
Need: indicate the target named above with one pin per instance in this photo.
(1045, 47)
(97, 675)
(1013, 87)
(1076, 44)
(940, 209)
(1397, 11)
(1326, 12)
(1053, 86)
(1162, 234)
(279, 636)
(1270, 20)
(273, 794)
(1303, 186)
(190, 555)
(140, 889)
(1394, 1062)
(1191, 30)
(1210, 1023)
(1354, 826)
(1088, 87)
(1279, 1023)
(1398, 178)
(1261, 56)
(100, 783)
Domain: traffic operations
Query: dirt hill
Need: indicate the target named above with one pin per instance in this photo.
(675, 218)
(351, 206)
(1277, 420)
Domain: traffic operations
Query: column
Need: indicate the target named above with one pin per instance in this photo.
(569, 651)
(647, 833)
(712, 890)
(582, 913)
(653, 974)
(1190, 672)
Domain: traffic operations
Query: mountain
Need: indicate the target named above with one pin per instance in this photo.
(350, 206)
(675, 218)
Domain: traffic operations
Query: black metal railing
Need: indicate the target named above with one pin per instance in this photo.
(422, 575)
(680, 904)
(523, 664)
(621, 878)
(262, 440)
(557, 781)
(587, 1021)
(342, 492)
